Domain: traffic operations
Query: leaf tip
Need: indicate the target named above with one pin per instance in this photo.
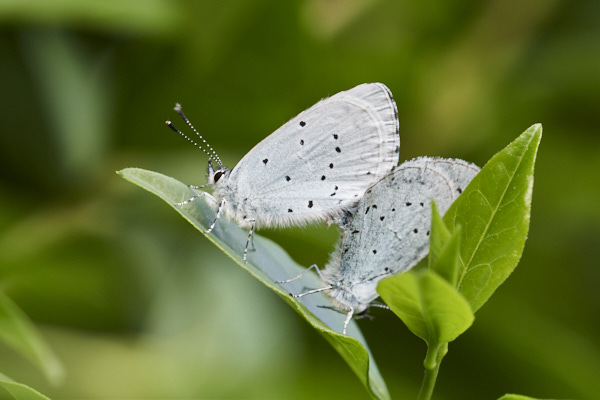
(537, 128)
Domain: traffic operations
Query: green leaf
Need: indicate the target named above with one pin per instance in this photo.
(444, 248)
(518, 397)
(269, 263)
(493, 212)
(19, 333)
(20, 391)
(439, 234)
(429, 305)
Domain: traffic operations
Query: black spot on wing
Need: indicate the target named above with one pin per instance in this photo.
(265, 161)
(338, 149)
(287, 178)
(310, 204)
(302, 124)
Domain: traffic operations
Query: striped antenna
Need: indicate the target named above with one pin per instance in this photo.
(170, 125)
(213, 153)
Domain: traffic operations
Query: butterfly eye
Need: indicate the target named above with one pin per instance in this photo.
(217, 176)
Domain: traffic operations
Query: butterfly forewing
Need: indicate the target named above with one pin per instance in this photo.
(319, 163)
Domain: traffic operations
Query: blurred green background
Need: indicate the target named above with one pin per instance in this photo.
(137, 304)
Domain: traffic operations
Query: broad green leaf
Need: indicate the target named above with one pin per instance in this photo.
(493, 212)
(518, 397)
(439, 234)
(19, 333)
(443, 248)
(429, 305)
(20, 391)
(269, 263)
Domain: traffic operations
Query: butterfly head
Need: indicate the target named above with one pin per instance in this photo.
(217, 175)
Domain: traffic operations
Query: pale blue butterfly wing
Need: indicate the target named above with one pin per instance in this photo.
(317, 166)
(389, 232)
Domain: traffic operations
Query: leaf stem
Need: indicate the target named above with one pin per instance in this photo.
(433, 359)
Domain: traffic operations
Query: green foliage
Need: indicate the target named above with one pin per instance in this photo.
(518, 397)
(123, 289)
(494, 213)
(428, 304)
(147, 16)
(473, 249)
(434, 304)
(17, 331)
(19, 391)
(268, 263)
(444, 248)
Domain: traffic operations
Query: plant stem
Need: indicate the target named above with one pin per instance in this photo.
(432, 363)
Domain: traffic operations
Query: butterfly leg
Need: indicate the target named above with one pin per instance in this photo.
(212, 226)
(348, 318)
(328, 287)
(314, 266)
(188, 201)
(379, 305)
(250, 239)
(251, 234)
(198, 187)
